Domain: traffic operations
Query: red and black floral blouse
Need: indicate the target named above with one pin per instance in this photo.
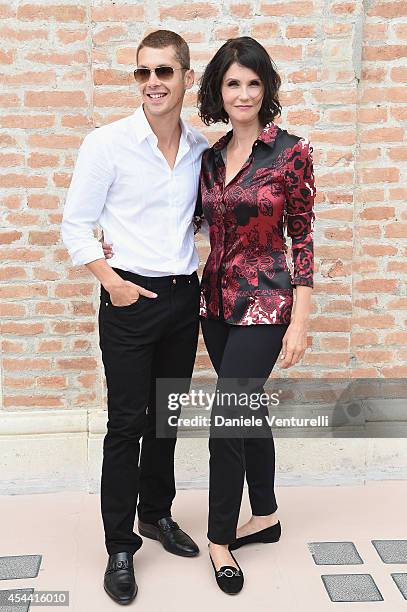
(246, 279)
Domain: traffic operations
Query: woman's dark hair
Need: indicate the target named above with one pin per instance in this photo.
(247, 52)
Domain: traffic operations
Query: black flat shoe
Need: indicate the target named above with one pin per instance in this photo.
(229, 579)
(119, 581)
(265, 536)
(171, 537)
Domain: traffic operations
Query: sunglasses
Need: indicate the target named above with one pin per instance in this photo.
(164, 73)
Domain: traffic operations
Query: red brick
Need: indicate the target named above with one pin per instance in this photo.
(77, 363)
(43, 160)
(109, 33)
(396, 230)
(9, 100)
(329, 324)
(7, 57)
(54, 141)
(25, 291)
(337, 306)
(22, 329)
(335, 343)
(49, 308)
(29, 78)
(376, 321)
(300, 31)
(373, 285)
(72, 327)
(56, 99)
(396, 337)
(31, 400)
(73, 289)
(12, 310)
(378, 213)
(189, 11)
(343, 8)
(42, 201)
(22, 365)
(63, 13)
(59, 59)
(226, 32)
(7, 11)
(52, 382)
(300, 8)
(42, 238)
(388, 10)
(19, 383)
(10, 346)
(383, 134)
(13, 273)
(72, 36)
(241, 10)
(384, 53)
(123, 12)
(264, 30)
(395, 371)
(109, 76)
(380, 175)
(49, 346)
(10, 237)
(363, 338)
(22, 180)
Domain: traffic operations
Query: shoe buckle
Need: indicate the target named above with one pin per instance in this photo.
(124, 564)
(169, 525)
(228, 572)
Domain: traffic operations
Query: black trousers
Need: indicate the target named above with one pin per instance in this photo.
(240, 352)
(153, 338)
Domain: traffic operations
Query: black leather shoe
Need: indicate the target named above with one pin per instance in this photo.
(229, 579)
(270, 534)
(171, 537)
(119, 582)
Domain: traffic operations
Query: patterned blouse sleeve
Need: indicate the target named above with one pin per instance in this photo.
(198, 217)
(300, 194)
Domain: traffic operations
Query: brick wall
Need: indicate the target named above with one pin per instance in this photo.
(67, 68)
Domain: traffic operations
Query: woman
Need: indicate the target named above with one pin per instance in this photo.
(256, 181)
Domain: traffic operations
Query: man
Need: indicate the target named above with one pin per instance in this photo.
(138, 179)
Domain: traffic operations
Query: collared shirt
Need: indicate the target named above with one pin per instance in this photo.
(123, 183)
(246, 279)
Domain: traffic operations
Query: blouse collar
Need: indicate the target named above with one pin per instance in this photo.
(267, 135)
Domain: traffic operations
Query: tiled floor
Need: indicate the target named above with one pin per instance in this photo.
(66, 529)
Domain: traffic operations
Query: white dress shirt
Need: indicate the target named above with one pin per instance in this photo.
(123, 183)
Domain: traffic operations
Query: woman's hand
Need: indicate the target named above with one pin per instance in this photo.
(107, 248)
(294, 343)
(295, 338)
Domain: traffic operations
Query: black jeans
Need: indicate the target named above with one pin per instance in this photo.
(153, 338)
(240, 351)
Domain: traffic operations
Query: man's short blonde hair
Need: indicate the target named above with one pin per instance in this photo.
(165, 38)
